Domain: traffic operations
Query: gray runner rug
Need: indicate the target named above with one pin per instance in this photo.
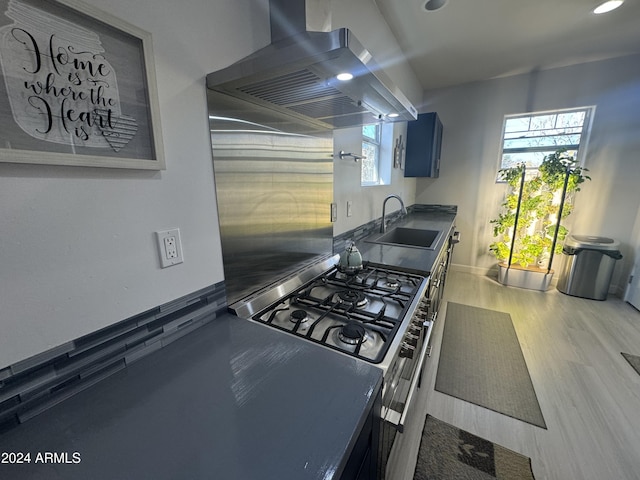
(448, 453)
(481, 362)
(633, 360)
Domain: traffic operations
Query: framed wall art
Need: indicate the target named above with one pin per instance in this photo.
(78, 87)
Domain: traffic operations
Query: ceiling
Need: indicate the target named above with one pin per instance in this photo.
(472, 40)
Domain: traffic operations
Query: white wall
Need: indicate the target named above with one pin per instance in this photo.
(472, 116)
(632, 292)
(366, 22)
(367, 201)
(364, 19)
(77, 250)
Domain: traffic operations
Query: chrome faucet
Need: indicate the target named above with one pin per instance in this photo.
(383, 225)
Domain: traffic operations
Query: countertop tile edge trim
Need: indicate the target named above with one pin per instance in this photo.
(31, 386)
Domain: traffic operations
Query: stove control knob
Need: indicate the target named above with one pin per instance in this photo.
(411, 340)
(415, 329)
(406, 350)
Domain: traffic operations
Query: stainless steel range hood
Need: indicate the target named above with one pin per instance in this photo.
(295, 76)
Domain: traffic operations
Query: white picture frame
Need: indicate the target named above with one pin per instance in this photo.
(78, 88)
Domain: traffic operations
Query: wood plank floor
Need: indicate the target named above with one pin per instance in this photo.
(588, 393)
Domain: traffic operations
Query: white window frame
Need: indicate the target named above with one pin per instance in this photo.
(577, 149)
(382, 146)
(374, 145)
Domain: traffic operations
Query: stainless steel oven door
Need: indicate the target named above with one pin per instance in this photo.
(400, 389)
(437, 282)
(435, 294)
(402, 381)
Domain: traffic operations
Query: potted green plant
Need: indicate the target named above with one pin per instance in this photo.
(528, 230)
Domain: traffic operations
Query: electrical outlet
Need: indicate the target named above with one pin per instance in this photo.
(169, 247)
(349, 207)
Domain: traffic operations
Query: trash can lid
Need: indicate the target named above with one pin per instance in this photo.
(591, 242)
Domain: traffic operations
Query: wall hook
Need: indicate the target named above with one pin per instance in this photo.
(344, 155)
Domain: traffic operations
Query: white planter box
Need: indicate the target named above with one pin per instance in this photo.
(530, 278)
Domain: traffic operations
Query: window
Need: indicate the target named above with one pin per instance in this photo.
(377, 148)
(371, 137)
(529, 138)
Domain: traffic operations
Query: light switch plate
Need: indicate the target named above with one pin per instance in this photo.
(169, 247)
(349, 208)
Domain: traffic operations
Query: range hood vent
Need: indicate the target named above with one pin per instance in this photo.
(296, 74)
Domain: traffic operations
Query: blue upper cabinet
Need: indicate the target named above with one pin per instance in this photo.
(424, 143)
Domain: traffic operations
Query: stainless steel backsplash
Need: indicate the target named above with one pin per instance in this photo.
(274, 192)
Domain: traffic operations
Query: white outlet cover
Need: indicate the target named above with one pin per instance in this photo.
(169, 247)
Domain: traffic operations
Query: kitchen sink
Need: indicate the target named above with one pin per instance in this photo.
(409, 237)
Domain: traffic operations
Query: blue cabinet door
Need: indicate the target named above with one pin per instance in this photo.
(424, 144)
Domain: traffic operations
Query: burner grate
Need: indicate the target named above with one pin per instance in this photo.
(356, 314)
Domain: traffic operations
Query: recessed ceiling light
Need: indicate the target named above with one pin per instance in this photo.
(607, 6)
(433, 5)
(343, 77)
(393, 115)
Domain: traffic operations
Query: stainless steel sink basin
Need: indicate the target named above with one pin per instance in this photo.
(409, 237)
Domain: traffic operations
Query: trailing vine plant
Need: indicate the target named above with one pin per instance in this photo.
(540, 199)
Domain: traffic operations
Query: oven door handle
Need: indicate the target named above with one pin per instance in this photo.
(390, 415)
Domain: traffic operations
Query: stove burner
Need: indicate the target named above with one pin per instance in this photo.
(348, 277)
(352, 297)
(392, 283)
(352, 333)
(299, 316)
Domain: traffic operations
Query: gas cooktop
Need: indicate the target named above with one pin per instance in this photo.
(358, 314)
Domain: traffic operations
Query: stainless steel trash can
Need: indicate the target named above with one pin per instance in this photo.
(587, 266)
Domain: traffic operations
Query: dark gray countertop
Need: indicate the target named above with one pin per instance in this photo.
(413, 259)
(233, 400)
